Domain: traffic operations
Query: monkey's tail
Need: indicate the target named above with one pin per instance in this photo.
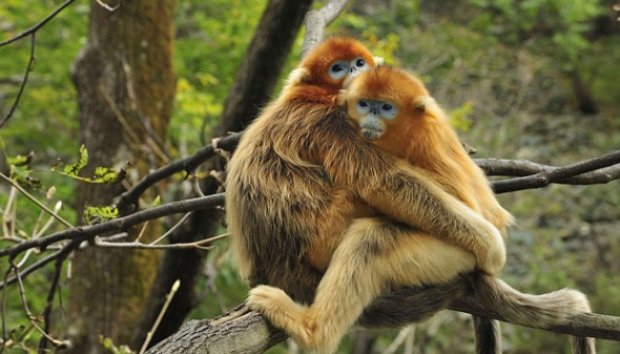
(485, 296)
(548, 310)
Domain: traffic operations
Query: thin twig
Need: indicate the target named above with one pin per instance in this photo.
(176, 246)
(35, 201)
(63, 253)
(5, 337)
(187, 164)
(89, 232)
(400, 339)
(36, 27)
(32, 318)
(47, 312)
(8, 218)
(169, 297)
(22, 86)
(171, 230)
(108, 7)
(142, 231)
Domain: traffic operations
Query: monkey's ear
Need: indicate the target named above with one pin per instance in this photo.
(379, 61)
(428, 105)
(297, 76)
(342, 97)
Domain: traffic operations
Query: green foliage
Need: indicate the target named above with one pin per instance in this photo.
(45, 120)
(492, 63)
(459, 117)
(560, 35)
(112, 348)
(101, 175)
(97, 214)
(211, 40)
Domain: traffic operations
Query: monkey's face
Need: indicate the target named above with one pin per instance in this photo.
(373, 116)
(384, 103)
(334, 61)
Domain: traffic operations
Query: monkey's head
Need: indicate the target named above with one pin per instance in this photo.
(331, 62)
(390, 106)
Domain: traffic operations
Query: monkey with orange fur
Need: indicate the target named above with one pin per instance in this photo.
(395, 112)
(418, 131)
(293, 194)
(294, 182)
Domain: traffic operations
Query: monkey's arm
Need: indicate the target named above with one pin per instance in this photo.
(405, 193)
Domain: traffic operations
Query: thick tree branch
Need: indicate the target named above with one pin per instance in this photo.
(244, 331)
(583, 172)
(187, 165)
(317, 20)
(597, 170)
(519, 168)
(553, 175)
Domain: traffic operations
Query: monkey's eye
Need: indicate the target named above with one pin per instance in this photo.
(358, 65)
(338, 70)
(363, 106)
(388, 110)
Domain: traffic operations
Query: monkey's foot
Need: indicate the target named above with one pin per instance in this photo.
(275, 304)
(281, 311)
(494, 258)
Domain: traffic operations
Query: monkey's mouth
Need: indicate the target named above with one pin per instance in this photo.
(372, 133)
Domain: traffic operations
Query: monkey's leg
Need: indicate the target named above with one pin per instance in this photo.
(374, 255)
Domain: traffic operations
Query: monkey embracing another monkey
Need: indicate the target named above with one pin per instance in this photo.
(395, 111)
(293, 208)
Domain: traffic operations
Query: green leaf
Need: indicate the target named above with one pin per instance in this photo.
(74, 169)
(105, 175)
(20, 160)
(102, 175)
(95, 214)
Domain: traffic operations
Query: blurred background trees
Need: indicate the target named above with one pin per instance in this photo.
(526, 79)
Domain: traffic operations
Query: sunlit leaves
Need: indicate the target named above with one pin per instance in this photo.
(556, 26)
(101, 175)
(459, 117)
(96, 214)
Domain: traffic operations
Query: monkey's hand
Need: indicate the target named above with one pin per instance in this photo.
(492, 258)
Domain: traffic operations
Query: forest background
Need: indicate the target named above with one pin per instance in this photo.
(534, 80)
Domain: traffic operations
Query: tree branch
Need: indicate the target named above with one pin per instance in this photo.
(317, 20)
(29, 32)
(37, 26)
(121, 224)
(552, 175)
(245, 331)
(519, 168)
(597, 170)
(187, 164)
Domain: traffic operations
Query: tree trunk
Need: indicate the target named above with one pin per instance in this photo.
(125, 87)
(257, 76)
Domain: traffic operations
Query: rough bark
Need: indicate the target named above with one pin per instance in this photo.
(255, 81)
(125, 87)
(243, 331)
(240, 331)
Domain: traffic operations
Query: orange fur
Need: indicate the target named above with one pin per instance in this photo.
(421, 134)
(300, 189)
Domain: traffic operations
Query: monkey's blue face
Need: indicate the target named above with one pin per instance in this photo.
(372, 116)
(343, 68)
